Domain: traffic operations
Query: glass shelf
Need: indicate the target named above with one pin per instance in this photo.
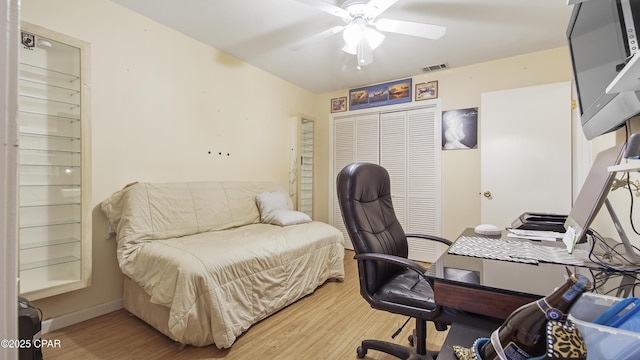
(49, 243)
(49, 204)
(36, 72)
(50, 142)
(48, 262)
(48, 136)
(33, 87)
(45, 100)
(37, 105)
(45, 157)
(53, 175)
(51, 223)
(46, 116)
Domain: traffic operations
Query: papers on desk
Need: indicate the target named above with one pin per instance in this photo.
(535, 235)
(512, 250)
(569, 237)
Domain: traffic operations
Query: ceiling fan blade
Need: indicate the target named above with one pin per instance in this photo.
(426, 31)
(315, 38)
(326, 7)
(377, 7)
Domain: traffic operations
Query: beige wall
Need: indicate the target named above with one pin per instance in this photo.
(160, 102)
(461, 88)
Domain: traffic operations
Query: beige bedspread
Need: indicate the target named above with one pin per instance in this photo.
(218, 283)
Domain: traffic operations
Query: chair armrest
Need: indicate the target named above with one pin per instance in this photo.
(430, 237)
(410, 264)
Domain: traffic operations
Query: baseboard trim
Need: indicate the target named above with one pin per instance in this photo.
(59, 322)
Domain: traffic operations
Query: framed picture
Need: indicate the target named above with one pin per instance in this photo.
(460, 129)
(379, 95)
(428, 90)
(339, 104)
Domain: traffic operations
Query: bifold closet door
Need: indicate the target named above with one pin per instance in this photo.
(410, 153)
(355, 138)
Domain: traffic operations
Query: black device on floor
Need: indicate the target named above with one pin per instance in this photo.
(29, 331)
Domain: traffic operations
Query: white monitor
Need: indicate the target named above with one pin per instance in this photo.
(593, 193)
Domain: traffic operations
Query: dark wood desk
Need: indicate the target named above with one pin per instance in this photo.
(486, 291)
(493, 288)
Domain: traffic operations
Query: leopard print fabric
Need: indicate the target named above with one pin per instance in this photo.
(564, 341)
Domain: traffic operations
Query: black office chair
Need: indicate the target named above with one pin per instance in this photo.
(388, 280)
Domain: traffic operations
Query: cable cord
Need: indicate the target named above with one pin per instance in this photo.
(604, 263)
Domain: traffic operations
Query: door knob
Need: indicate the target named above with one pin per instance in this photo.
(487, 194)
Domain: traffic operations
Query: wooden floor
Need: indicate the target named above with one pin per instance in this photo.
(328, 324)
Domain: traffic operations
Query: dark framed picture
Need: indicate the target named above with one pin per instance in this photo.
(339, 104)
(379, 95)
(426, 91)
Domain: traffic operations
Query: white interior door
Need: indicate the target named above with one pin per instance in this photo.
(525, 152)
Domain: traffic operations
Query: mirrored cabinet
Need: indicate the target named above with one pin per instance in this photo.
(302, 164)
(54, 172)
(305, 175)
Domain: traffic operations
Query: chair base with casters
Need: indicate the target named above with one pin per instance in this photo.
(417, 351)
(412, 278)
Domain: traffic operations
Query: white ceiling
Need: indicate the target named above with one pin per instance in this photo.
(259, 31)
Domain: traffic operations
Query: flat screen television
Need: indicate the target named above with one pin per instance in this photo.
(602, 39)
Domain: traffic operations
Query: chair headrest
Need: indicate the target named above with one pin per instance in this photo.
(364, 182)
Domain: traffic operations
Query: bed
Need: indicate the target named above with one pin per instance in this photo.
(203, 261)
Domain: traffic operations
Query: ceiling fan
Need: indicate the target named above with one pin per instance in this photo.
(361, 31)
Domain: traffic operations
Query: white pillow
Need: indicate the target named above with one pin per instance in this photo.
(286, 217)
(270, 201)
(274, 209)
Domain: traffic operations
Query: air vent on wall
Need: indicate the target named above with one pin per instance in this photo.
(435, 67)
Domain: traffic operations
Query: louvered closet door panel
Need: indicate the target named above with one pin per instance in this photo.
(407, 144)
(356, 138)
(423, 182)
(393, 152)
(344, 152)
(367, 138)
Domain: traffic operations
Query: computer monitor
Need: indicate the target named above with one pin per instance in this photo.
(593, 193)
(602, 37)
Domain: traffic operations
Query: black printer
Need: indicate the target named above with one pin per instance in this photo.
(540, 222)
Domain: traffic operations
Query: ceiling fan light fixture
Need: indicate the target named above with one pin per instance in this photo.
(364, 53)
(373, 37)
(362, 30)
(353, 34)
(350, 48)
(361, 40)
